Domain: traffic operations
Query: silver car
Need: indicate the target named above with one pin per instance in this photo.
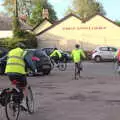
(103, 53)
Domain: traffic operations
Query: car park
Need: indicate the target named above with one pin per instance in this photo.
(103, 53)
(43, 65)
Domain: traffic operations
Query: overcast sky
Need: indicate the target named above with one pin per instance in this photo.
(112, 7)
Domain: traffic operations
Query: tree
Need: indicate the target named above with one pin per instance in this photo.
(117, 22)
(39, 5)
(86, 8)
(34, 13)
(36, 16)
(52, 13)
(22, 5)
(9, 6)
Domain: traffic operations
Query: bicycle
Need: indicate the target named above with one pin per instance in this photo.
(11, 99)
(62, 64)
(78, 69)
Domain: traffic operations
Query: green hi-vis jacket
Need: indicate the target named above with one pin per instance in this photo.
(15, 61)
(56, 53)
(76, 55)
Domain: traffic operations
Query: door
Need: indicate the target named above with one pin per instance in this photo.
(112, 51)
(105, 53)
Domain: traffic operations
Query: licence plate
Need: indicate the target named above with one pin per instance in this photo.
(45, 66)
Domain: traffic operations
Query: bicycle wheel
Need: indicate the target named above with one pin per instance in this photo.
(80, 67)
(62, 66)
(30, 100)
(12, 109)
(79, 71)
(52, 64)
(76, 69)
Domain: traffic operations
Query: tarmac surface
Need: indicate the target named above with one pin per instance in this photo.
(95, 96)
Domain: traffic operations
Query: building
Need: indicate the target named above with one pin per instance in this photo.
(95, 31)
(42, 26)
(6, 26)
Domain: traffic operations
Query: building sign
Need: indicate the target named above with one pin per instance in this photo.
(85, 28)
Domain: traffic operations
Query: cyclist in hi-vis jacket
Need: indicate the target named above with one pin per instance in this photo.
(17, 59)
(56, 55)
(77, 53)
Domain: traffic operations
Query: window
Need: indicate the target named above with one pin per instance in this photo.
(112, 49)
(104, 48)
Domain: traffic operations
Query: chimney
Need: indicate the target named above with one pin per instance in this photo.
(45, 13)
(23, 18)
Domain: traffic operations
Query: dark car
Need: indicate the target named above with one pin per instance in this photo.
(48, 50)
(3, 51)
(65, 55)
(43, 65)
(2, 64)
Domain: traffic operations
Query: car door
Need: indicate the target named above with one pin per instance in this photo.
(104, 53)
(112, 51)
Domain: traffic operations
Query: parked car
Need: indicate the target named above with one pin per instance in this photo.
(43, 65)
(65, 55)
(2, 64)
(47, 50)
(103, 53)
(3, 51)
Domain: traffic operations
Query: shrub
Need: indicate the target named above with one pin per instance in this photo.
(9, 43)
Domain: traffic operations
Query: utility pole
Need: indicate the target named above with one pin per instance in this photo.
(16, 9)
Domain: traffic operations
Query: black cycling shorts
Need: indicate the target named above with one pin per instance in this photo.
(21, 80)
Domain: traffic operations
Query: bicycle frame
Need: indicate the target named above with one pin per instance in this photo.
(14, 99)
(61, 65)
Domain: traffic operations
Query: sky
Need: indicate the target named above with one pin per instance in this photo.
(112, 7)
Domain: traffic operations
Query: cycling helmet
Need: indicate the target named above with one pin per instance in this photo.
(77, 45)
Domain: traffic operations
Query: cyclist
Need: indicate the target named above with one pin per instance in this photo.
(56, 55)
(17, 59)
(117, 55)
(76, 54)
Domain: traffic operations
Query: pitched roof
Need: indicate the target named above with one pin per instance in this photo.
(60, 21)
(83, 20)
(87, 19)
(6, 23)
(41, 23)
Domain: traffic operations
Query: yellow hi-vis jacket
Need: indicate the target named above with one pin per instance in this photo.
(77, 54)
(56, 53)
(15, 61)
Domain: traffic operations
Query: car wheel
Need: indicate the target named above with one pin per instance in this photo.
(97, 58)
